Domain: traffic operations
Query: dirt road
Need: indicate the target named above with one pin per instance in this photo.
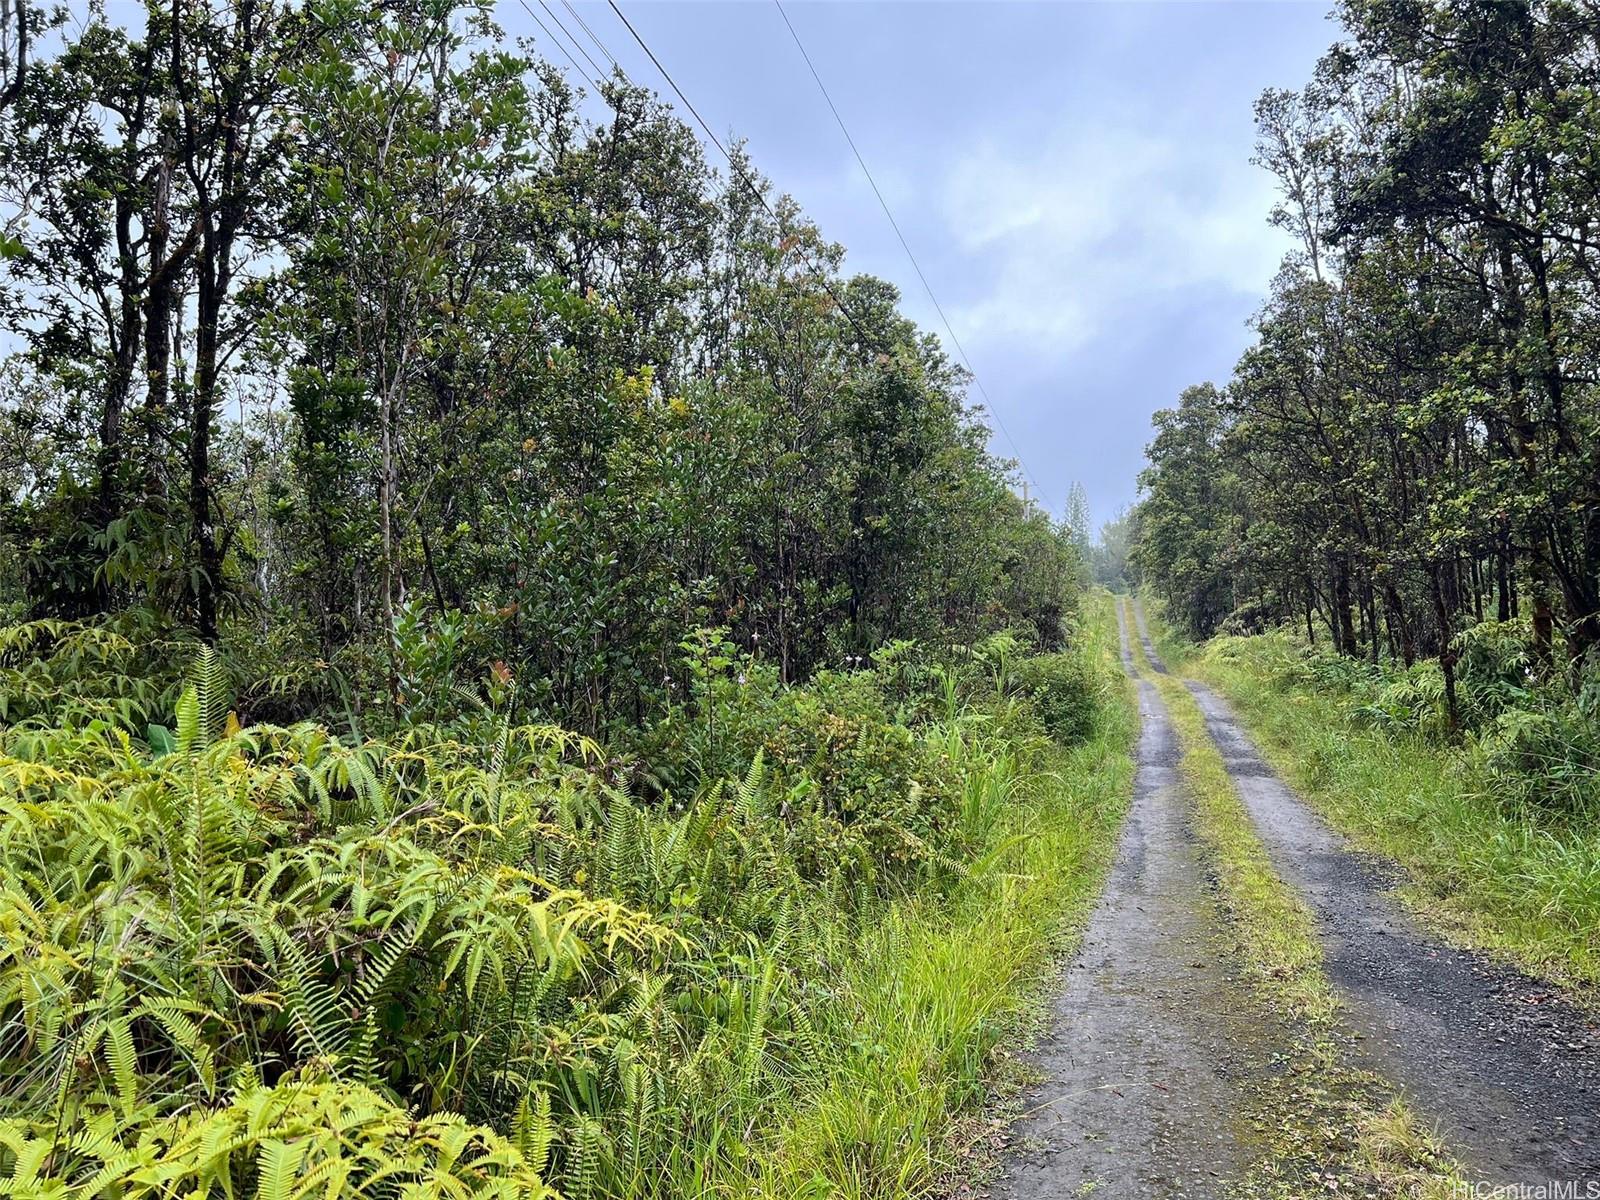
(1152, 1037)
(1154, 1040)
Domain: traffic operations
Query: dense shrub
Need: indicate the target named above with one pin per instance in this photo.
(73, 673)
(1546, 757)
(1064, 691)
(1248, 617)
(1495, 670)
(865, 790)
(864, 793)
(481, 932)
(219, 900)
(1402, 701)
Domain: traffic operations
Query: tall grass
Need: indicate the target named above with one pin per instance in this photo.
(938, 985)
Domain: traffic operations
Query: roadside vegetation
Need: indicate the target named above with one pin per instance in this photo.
(488, 956)
(953, 978)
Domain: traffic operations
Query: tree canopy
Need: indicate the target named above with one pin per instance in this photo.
(347, 334)
(1412, 444)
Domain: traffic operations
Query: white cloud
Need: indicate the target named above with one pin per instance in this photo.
(1082, 229)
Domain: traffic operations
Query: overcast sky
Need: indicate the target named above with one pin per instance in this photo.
(1074, 178)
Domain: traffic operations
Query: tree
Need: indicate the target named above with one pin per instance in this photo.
(1111, 550)
(1413, 441)
(556, 393)
(406, 158)
(1184, 519)
(140, 170)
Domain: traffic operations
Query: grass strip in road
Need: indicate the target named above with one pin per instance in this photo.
(942, 985)
(1329, 1129)
(1277, 938)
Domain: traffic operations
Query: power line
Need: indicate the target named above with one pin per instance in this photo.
(599, 74)
(567, 54)
(743, 178)
(593, 37)
(904, 245)
(738, 171)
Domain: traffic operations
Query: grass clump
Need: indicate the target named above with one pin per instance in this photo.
(1396, 1149)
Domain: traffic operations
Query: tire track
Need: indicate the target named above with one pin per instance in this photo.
(1153, 1039)
(1508, 1070)
(1145, 643)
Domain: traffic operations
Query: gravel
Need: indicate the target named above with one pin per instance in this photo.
(1507, 1068)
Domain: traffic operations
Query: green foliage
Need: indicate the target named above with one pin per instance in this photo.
(1545, 759)
(1109, 555)
(346, 906)
(1065, 691)
(75, 674)
(556, 392)
(936, 988)
(1182, 522)
(307, 1135)
(866, 799)
(299, 946)
(1537, 743)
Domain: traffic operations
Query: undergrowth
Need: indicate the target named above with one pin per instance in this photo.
(765, 947)
(938, 987)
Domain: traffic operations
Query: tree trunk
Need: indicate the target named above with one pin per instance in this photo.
(1342, 602)
(386, 527)
(1447, 654)
(158, 307)
(1399, 625)
(208, 559)
(1502, 568)
(1525, 436)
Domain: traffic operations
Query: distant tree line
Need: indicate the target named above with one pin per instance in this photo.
(1412, 444)
(345, 338)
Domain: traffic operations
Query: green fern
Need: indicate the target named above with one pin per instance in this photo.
(533, 1129)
